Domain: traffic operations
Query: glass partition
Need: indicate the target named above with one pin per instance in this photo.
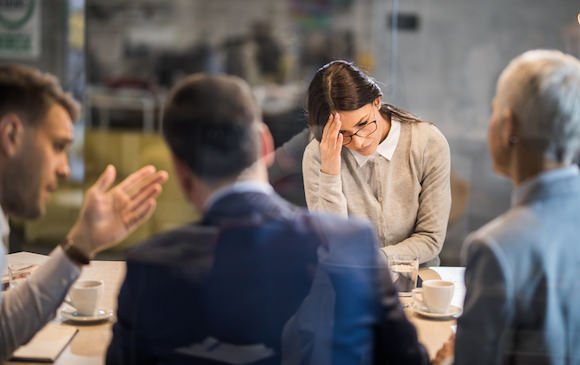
(440, 60)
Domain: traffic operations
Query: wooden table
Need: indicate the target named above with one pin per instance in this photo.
(433, 333)
(90, 344)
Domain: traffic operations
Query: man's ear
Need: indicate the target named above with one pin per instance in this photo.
(183, 174)
(510, 128)
(266, 145)
(11, 131)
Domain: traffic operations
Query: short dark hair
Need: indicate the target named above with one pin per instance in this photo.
(341, 86)
(210, 123)
(29, 93)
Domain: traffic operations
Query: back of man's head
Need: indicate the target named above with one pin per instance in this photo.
(211, 123)
(29, 93)
(542, 89)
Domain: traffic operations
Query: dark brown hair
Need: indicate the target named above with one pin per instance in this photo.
(29, 93)
(341, 86)
(210, 123)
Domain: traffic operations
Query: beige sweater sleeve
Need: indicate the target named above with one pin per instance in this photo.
(427, 240)
(323, 192)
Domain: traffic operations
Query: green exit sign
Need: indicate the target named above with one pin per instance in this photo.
(20, 28)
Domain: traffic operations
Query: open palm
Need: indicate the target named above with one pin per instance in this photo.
(109, 215)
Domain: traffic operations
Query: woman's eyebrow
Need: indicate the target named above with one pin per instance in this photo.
(363, 119)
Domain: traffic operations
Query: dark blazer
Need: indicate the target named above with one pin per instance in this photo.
(259, 281)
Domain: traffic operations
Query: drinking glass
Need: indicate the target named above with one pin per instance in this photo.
(404, 271)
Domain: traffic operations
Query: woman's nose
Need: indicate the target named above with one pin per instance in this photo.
(357, 141)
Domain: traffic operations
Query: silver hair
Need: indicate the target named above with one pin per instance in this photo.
(542, 89)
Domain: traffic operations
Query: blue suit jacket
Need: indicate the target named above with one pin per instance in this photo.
(246, 282)
(522, 303)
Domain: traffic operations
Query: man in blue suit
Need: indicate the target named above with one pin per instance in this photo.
(523, 268)
(256, 281)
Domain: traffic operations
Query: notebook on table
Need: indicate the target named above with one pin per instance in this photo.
(47, 344)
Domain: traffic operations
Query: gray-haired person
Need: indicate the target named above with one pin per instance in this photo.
(522, 269)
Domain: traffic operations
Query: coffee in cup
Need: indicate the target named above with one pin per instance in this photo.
(435, 295)
(85, 296)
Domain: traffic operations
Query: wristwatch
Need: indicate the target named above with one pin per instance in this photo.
(74, 254)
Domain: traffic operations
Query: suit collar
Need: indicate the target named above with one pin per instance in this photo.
(237, 187)
(558, 181)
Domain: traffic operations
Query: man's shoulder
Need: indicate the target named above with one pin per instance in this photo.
(299, 218)
(336, 224)
(193, 242)
(525, 230)
(178, 244)
(338, 232)
(303, 222)
(514, 238)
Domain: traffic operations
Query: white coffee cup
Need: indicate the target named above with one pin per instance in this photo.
(85, 296)
(435, 295)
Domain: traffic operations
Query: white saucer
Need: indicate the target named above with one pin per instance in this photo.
(453, 311)
(74, 316)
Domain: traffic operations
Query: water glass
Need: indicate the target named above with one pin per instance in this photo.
(404, 270)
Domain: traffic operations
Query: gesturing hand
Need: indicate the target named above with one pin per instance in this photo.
(109, 215)
(331, 146)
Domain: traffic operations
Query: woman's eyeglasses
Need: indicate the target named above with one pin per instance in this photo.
(364, 131)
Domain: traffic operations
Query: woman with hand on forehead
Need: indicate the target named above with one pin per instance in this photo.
(372, 160)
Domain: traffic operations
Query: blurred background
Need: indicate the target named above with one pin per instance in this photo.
(437, 58)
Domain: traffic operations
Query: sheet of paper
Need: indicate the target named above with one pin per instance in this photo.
(47, 345)
(26, 258)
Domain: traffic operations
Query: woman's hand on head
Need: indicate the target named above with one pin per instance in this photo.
(331, 146)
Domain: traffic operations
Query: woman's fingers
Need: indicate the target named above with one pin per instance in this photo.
(339, 136)
(327, 131)
(339, 142)
(331, 145)
(331, 131)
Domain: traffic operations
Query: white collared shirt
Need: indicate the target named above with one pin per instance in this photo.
(238, 187)
(546, 177)
(386, 148)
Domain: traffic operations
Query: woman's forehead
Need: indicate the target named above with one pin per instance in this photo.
(351, 118)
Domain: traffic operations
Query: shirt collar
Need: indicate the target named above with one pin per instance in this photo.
(546, 177)
(386, 148)
(238, 187)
